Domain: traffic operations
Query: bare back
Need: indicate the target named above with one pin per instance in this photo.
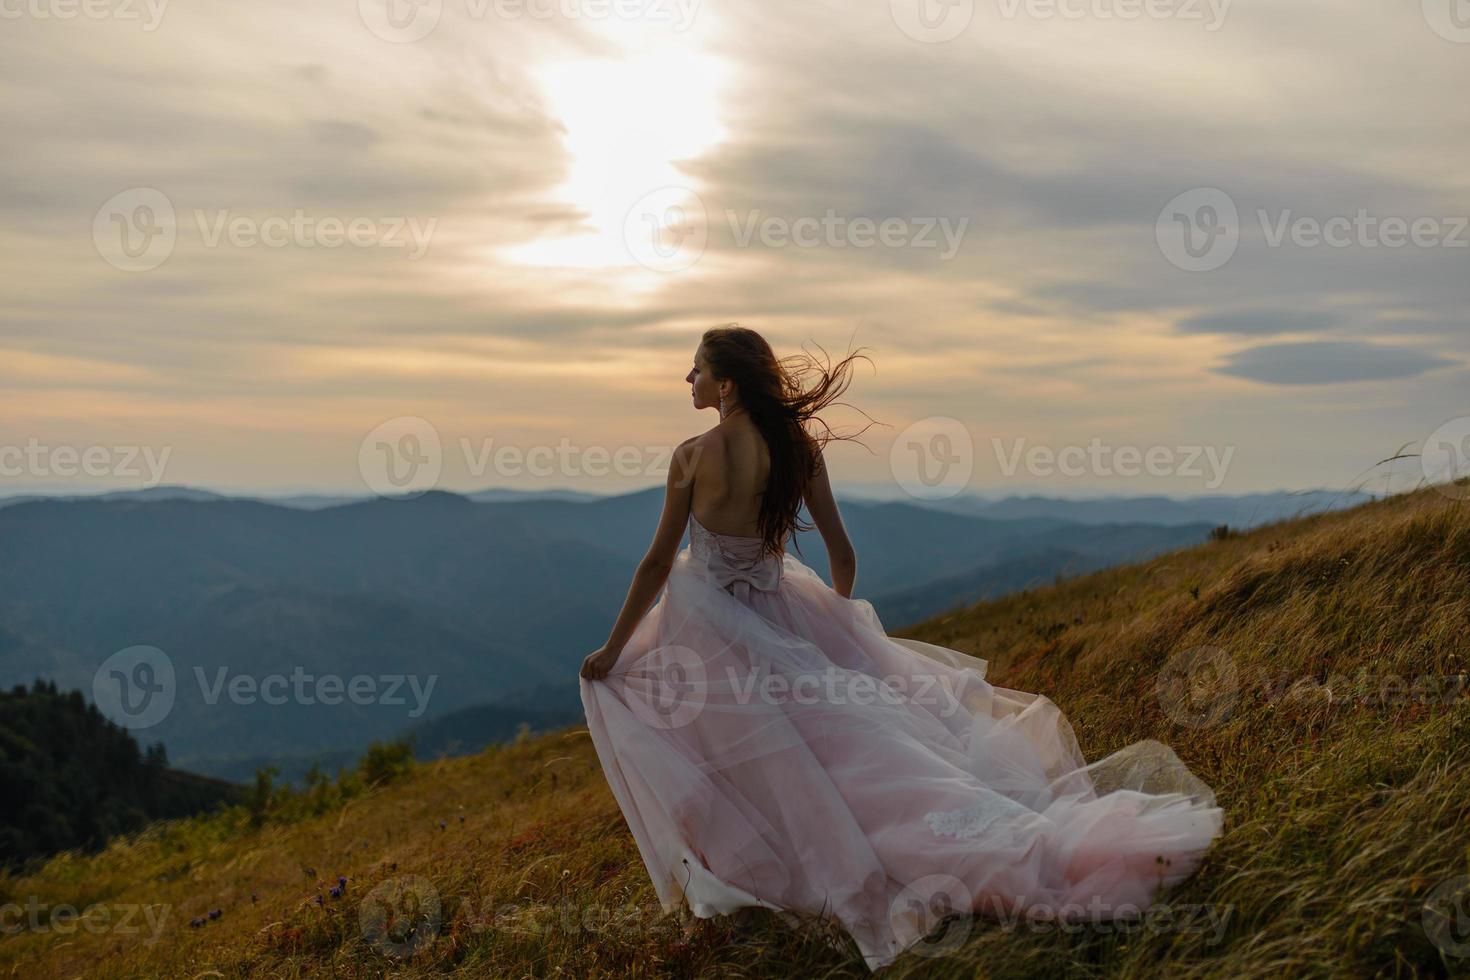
(731, 472)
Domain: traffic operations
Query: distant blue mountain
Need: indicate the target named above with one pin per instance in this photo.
(488, 599)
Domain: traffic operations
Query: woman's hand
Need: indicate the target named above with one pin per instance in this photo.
(599, 662)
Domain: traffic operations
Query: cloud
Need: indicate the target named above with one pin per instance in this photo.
(1058, 140)
(1256, 322)
(1329, 362)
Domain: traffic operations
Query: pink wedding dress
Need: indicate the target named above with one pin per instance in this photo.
(770, 745)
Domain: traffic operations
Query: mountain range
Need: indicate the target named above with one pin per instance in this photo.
(453, 612)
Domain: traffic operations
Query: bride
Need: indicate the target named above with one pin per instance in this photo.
(770, 745)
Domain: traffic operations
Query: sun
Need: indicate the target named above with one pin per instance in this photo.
(630, 119)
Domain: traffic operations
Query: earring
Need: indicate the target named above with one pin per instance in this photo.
(722, 404)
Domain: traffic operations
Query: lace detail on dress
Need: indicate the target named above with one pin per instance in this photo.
(971, 821)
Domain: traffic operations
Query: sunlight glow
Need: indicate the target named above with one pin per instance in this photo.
(630, 121)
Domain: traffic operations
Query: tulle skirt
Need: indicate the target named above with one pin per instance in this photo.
(779, 749)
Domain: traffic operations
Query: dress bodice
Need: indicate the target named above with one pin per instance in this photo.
(734, 562)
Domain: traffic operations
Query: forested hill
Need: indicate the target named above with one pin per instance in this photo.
(71, 778)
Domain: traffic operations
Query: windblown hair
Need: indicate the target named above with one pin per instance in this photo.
(772, 391)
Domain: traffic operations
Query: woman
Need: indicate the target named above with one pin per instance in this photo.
(770, 745)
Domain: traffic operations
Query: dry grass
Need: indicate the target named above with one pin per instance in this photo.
(1342, 812)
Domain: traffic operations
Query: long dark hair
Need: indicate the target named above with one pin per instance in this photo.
(771, 390)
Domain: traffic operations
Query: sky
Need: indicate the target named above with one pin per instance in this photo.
(1090, 246)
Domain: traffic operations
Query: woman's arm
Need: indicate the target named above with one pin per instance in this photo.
(822, 505)
(653, 569)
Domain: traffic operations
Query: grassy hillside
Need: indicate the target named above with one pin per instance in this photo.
(1344, 811)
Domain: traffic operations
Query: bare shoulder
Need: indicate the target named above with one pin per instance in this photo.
(820, 500)
(706, 447)
(819, 466)
(689, 453)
